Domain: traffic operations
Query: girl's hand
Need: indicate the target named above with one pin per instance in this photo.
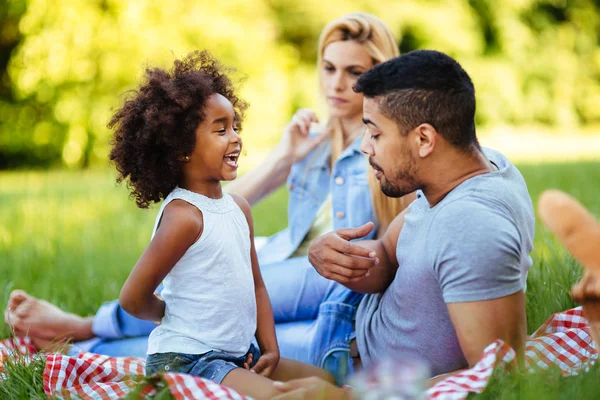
(158, 296)
(296, 143)
(248, 362)
(266, 364)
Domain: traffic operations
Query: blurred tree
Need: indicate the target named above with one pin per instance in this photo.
(16, 147)
(64, 64)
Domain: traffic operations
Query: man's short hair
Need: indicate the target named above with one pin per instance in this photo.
(425, 86)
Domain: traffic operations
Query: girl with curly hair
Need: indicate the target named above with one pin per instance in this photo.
(175, 140)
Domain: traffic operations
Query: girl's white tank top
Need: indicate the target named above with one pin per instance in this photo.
(209, 293)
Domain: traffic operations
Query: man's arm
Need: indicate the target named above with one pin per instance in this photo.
(479, 323)
(479, 264)
(368, 266)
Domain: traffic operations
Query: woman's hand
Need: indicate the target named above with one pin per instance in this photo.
(266, 363)
(296, 143)
(275, 169)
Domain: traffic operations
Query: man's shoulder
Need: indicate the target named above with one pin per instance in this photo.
(486, 211)
(501, 193)
(506, 176)
(470, 209)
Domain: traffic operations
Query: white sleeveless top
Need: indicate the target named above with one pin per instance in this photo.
(209, 293)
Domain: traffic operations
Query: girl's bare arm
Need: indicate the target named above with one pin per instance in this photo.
(181, 225)
(265, 330)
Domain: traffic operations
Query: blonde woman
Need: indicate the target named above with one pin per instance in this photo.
(330, 188)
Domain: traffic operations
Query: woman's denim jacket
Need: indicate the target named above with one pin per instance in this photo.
(309, 183)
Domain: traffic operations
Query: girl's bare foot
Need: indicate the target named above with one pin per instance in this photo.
(43, 322)
(579, 231)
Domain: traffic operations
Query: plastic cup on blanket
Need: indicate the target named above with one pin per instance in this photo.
(404, 379)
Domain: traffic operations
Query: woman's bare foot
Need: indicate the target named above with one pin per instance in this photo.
(579, 231)
(43, 322)
(51, 346)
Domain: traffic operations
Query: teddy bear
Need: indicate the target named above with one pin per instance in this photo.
(579, 232)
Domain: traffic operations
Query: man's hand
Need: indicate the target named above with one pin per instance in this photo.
(336, 258)
(310, 389)
(266, 364)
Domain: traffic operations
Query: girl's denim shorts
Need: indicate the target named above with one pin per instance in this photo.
(213, 365)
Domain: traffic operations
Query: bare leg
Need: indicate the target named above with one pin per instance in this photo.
(289, 369)
(44, 322)
(250, 384)
(592, 313)
(579, 231)
(587, 292)
(256, 386)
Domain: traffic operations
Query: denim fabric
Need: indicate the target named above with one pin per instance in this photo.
(296, 289)
(333, 332)
(118, 334)
(213, 365)
(295, 339)
(127, 347)
(112, 322)
(309, 182)
(324, 341)
(106, 323)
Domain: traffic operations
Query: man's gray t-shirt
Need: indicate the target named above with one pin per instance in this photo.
(473, 245)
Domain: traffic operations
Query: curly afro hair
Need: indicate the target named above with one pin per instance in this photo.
(156, 125)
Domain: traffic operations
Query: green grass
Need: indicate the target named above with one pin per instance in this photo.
(72, 238)
(25, 380)
(550, 385)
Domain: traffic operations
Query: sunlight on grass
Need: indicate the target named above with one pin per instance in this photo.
(72, 238)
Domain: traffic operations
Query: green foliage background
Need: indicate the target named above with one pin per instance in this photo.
(64, 64)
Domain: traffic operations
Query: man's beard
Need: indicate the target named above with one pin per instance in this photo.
(391, 190)
(407, 175)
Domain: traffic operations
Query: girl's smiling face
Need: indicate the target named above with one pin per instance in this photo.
(218, 143)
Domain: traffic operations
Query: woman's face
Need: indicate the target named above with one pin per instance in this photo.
(343, 62)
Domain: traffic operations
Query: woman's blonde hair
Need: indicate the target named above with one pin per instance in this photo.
(379, 42)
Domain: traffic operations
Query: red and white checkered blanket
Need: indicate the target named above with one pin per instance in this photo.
(563, 341)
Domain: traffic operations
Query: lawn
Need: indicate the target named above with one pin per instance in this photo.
(72, 237)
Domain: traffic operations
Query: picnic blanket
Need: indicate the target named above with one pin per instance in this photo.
(563, 341)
